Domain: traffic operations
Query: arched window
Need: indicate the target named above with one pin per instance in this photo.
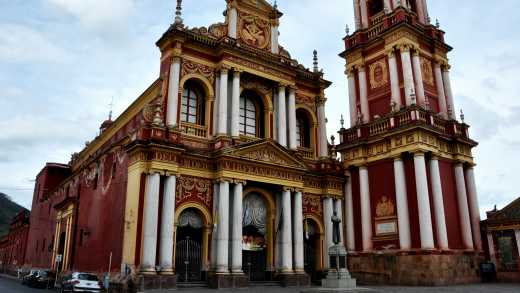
(250, 115)
(303, 130)
(192, 106)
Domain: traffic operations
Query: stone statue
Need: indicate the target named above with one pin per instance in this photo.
(336, 236)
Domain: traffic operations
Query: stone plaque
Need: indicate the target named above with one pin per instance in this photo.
(386, 228)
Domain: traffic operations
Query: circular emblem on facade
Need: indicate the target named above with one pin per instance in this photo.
(254, 31)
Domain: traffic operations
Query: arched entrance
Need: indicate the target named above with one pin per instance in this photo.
(312, 249)
(254, 237)
(188, 257)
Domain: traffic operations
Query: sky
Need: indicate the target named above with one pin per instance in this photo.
(63, 61)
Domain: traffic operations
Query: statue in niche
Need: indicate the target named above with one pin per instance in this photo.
(336, 235)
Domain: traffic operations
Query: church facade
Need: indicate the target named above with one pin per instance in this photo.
(411, 202)
(221, 171)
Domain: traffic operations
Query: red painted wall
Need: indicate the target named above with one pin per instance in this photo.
(412, 201)
(357, 208)
(451, 208)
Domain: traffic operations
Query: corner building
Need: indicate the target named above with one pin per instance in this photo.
(219, 172)
(411, 207)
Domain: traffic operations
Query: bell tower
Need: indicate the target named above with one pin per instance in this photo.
(410, 191)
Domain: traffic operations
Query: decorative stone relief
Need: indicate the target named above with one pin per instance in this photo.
(427, 71)
(189, 67)
(378, 74)
(254, 30)
(385, 208)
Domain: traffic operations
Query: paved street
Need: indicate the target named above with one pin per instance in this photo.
(14, 286)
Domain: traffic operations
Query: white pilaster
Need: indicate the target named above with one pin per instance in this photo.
(364, 13)
(236, 238)
(473, 207)
(517, 237)
(223, 228)
(279, 232)
(443, 108)
(173, 92)
(357, 14)
(275, 49)
(322, 131)
(282, 117)
(491, 247)
(462, 200)
(448, 91)
(223, 103)
(394, 79)
(216, 105)
(349, 210)
(233, 22)
(150, 219)
(352, 96)
(423, 202)
(395, 3)
(298, 231)
(328, 209)
(401, 198)
(167, 225)
(214, 233)
(388, 5)
(291, 109)
(235, 105)
(438, 204)
(363, 94)
(366, 213)
(338, 208)
(420, 11)
(419, 85)
(409, 86)
(286, 245)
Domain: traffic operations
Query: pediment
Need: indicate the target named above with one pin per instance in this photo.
(510, 212)
(267, 152)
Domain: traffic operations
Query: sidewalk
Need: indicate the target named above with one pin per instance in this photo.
(6, 276)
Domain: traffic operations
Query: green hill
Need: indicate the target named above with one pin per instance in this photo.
(8, 209)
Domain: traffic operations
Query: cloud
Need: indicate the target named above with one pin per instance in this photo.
(98, 14)
(22, 44)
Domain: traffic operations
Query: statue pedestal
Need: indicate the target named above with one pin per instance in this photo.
(338, 276)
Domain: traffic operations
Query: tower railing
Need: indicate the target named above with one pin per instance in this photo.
(412, 116)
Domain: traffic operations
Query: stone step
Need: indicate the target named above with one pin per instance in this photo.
(264, 284)
(192, 285)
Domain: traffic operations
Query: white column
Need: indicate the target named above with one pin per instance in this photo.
(286, 245)
(291, 109)
(366, 213)
(328, 208)
(364, 13)
(298, 231)
(395, 3)
(213, 260)
(473, 207)
(352, 96)
(232, 25)
(275, 49)
(420, 11)
(349, 210)
(419, 85)
(388, 5)
(223, 228)
(438, 204)
(279, 232)
(363, 94)
(394, 79)
(357, 14)
(167, 225)
(282, 117)
(448, 92)
(517, 237)
(322, 131)
(426, 13)
(150, 218)
(216, 105)
(236, 237)
(235, 104)
(338, 208)
(173, 92)
(443, 108)
(423, 202)
(223, 103)
(406, 61)
(491, 248)
(462, 200)
(401, 198)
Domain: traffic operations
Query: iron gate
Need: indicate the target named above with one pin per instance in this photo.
(188, 261)
(254, 265)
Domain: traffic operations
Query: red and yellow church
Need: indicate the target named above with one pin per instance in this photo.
(221, 170)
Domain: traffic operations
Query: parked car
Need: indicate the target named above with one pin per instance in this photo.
(29, 276)
(80, 282)
(42, 279)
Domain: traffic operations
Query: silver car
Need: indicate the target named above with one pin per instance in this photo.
(80, 282)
